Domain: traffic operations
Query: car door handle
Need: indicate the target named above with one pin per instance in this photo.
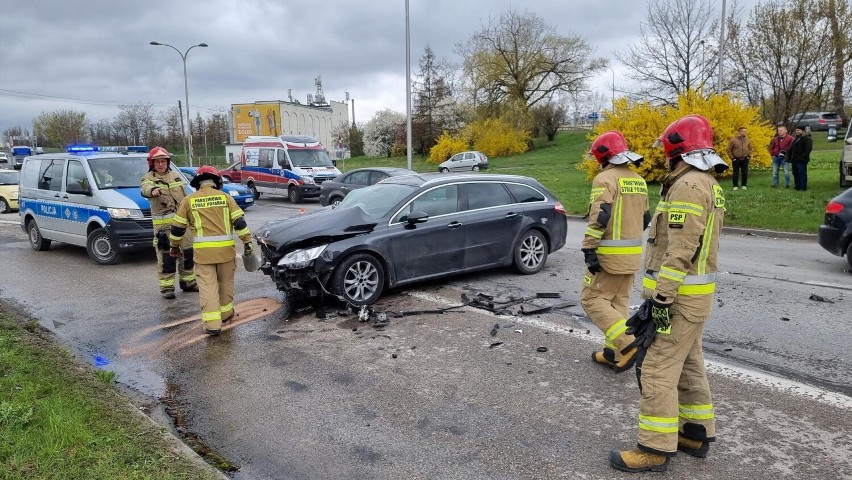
(65, 197)
(57, 196)
(454, 225)
(512, 215)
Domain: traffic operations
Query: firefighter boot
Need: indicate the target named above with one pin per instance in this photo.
(627, 360)
(606, 357)
(693, 440)
(168, 294)
(191, 286)
(637, 460)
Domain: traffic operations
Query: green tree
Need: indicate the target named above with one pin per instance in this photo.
(356, 141)
(520, 58)
(548, 117)
(61, 127)
(434, 106)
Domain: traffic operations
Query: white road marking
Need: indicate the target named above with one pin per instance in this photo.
(737, 373)
(10, 222)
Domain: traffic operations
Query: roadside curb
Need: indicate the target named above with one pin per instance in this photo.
(754, 232)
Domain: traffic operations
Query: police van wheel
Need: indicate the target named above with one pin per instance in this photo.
(254, 191)
(38, 242)
(4, 205)
(530, 252)
(294, 195)
(100, 248)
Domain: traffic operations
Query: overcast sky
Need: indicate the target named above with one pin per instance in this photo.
(92, 55)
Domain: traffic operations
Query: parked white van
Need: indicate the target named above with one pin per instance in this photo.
(292, 165)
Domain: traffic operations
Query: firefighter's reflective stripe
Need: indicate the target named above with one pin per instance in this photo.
(592, 232)
(167, 283)
(620, 247)
(237, 214)
(613, 332)
(696, 412)
(244, 231)
(178, 219)
(686, 207)
(211, 316)
(692, 284)
(595, 192)
(658, 424)
(616, 218)
(706, 240)
(226, 221)
(187, 278)
(213, 241)
(672, 274)
(162, 219)
(227, 308)
(662, 207)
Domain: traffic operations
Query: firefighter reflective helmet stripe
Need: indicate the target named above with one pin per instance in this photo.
(610, 147)
(691, 138)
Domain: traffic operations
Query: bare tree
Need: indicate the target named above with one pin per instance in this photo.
(839, 18)
(521, 59)
(670, 56)
(134, 125)
(779, 60)
(434, 105)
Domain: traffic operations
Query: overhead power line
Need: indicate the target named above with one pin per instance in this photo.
(38, 96)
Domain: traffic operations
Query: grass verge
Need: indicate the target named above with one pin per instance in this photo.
(61, 420)
(554, 165)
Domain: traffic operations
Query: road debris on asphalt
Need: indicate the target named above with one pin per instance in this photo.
(495, 329)
(818, 298)
(541, 349)
(495, 344)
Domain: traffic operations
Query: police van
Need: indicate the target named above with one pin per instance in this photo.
(89, 196)
(291, 165)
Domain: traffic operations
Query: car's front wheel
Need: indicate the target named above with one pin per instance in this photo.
(38, 242)
(530, 252)
(254, 191)
(100, 248)
(359, 279)
(294, 195)
(4, 205)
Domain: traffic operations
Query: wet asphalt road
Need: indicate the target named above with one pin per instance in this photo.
(428, 397)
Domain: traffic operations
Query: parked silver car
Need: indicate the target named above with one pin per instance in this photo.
(464, 161)
(817, 120)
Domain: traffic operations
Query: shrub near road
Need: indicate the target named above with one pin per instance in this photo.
(554, 164)
(60, 421)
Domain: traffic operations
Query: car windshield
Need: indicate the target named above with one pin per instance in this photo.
(118, 172)
(310, 158)
(9, 178)
(377, 200)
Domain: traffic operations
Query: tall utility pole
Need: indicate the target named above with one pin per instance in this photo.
(186, 93)
(407, 87)
(721, 48)
(182, 127)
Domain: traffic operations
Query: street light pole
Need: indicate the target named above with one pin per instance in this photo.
(407, 87)
(186, 94)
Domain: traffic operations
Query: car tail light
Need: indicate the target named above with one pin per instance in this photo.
(559, 208)
(822, 120)
(833, 208)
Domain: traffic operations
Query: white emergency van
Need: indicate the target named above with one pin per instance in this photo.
(89, 196)
(291, 165)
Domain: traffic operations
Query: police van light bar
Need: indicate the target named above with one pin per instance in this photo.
(81, 148)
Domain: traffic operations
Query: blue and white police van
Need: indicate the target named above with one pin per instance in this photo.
(88, 196)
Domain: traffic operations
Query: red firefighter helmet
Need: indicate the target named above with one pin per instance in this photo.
(691, 138)
(610, 147)
(159, 152)
(207, 172)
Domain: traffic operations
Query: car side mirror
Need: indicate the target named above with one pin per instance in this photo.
(78, 189)
(417, 217)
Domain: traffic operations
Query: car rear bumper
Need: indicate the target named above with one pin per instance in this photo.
(832, 239)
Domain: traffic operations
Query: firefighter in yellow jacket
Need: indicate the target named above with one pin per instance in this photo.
(676, 408)
(165, 189)
(612, 247)
(214, 218)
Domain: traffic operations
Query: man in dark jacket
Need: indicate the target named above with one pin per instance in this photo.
(800, 155)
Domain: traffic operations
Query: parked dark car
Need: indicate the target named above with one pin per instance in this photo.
(817, 120)
(835, 234)
(333, 191)
(241, 194)
(411, 228)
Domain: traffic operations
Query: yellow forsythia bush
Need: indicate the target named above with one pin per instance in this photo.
(642, 123)
(446, 146)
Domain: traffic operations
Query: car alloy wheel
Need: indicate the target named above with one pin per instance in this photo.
(476, 168)
(360, 279)
(100, 248)
(4, 205)
(293, 195)
(445, 170)
(335, 202)
(531, 252)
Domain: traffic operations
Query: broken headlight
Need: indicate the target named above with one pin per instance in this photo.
(301, 258)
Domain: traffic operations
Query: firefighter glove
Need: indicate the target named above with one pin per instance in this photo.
(163, 240)
(592, 261)
(174, 252)
(641, 326)
(248, 248)
(660, 316)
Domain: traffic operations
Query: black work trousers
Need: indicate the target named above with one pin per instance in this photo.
(740, 164)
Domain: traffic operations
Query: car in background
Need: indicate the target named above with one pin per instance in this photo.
(817, 120)
(333, 191)
(242, 195)
(232, 172)
(465, 161)
(411, 228)
(835, 234)
(9, 180)
(4, 157)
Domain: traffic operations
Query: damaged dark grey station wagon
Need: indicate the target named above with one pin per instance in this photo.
(412, 228)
